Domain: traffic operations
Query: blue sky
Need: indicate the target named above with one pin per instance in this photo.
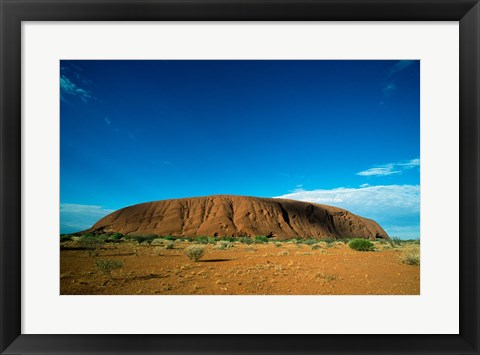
(343, 133)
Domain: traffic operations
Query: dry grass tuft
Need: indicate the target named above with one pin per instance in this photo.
(195, 252)
(410, 254)
(325, 277)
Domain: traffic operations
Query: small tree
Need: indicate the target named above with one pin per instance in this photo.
(194, 252)
(91, 245)
(106, 266)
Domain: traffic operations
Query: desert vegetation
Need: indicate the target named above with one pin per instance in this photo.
(194, 252)
(118, 264)
(361, 245)
(106, 266)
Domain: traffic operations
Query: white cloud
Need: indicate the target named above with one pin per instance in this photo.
(403, 199)
(75, 217)
(392, 206)
(390, 168)
(108, 121)
(410, 163)
(385, 170)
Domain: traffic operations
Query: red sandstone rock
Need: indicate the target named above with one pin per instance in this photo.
(228, 215)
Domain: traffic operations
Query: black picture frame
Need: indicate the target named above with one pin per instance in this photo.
(13, 12)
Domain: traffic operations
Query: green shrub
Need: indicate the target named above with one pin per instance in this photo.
(65, 237)
(142, 238)
(228, 239)
(169, 244)
(194, 252)
(361, 244)
(310, 241)
(201, 240)
(260, 239)
(106, 266)
(91, 245)
(205, 240)
(116, 236)
(245, 240)
(278, 244)
(315, 247)
(328, 240)
(170, 237)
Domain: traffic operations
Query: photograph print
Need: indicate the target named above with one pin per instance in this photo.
(239, 177)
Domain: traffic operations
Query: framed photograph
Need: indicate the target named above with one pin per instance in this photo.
(239, 177)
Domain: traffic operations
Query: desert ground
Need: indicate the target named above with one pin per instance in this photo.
(161, 267)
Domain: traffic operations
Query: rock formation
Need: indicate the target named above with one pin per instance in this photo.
(228, 215)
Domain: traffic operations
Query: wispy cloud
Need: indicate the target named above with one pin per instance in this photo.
(390, 168)
(395, 207)
(390, 87)
(69, 88)
(400, 66)
(163, 162)
(108, 121)
(388, 90)
(76, 217)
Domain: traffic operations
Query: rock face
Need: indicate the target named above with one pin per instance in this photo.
(227, 215)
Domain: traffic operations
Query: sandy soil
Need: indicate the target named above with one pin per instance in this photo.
(256, 269)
